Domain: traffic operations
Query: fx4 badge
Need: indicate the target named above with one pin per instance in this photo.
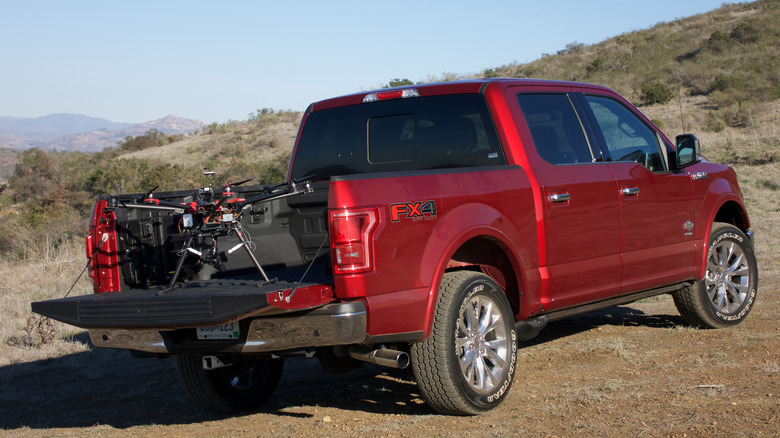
(422, 210)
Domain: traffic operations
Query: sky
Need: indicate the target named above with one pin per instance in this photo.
(136, 61)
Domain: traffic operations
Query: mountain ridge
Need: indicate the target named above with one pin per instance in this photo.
(76, 132)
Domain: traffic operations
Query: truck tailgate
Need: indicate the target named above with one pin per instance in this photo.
(190, 305)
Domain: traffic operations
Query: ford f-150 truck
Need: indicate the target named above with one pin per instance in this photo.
(435, 226)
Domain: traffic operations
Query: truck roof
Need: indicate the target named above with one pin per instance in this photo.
(465, 86)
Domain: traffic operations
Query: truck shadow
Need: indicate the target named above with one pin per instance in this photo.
(614, 316)
(109, 387)
(105, 387)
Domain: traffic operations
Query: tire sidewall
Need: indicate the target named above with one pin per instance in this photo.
(484, 286)
(728, 233)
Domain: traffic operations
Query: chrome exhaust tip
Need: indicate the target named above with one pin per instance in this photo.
(381, 356)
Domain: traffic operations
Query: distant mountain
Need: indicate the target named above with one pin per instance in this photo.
(73, 132)
(55, 125)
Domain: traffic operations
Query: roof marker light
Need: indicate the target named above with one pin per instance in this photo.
(394, 94)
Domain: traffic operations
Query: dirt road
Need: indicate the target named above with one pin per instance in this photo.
(634, 370)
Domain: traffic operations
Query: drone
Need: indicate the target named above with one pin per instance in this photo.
(216, 213)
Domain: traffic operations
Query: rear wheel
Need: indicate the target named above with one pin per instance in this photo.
(466, 365)
(726, 294)
(241, 387)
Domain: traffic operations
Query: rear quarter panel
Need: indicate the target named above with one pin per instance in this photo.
(410, 254)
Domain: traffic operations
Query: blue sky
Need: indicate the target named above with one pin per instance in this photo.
(135, 61)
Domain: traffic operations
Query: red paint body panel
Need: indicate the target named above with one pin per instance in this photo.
(410, 255)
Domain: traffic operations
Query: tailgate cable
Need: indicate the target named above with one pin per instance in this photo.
(289, 297)
(103, 240)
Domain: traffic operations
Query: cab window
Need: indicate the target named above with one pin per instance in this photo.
(555, 128)
(625, 135)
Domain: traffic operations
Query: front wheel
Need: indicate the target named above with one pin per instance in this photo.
(466, 365)
(242, 386)
(728, 291)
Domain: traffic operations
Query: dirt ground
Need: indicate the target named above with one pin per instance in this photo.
(633, 370)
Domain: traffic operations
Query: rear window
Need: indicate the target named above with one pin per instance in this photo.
(418, 133)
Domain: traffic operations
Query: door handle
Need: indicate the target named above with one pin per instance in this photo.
(630, 191)
(560, 197)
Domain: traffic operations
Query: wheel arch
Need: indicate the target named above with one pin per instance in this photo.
(732, 212)
(476, 237)
(727, 207)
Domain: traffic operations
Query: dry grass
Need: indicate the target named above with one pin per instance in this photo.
(243, 142)
(27, 281)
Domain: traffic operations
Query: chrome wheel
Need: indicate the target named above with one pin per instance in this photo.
(727, 279)
(481, 343)
(467, 364)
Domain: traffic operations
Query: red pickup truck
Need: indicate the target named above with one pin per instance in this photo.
(436, 225)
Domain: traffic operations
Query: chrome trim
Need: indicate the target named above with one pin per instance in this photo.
(699, 175)
(630, 191)
(315, 329)
(560, 197)
(141, 340)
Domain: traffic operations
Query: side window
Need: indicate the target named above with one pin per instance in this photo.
(627, 138)
(555, 128)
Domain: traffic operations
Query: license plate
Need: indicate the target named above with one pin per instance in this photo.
(224, 331)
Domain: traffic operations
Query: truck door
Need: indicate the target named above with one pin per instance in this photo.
(658, 217)
(581, 205)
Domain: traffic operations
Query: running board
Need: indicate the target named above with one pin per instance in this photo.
(531, 327)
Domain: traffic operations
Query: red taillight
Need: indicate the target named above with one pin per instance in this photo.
(350, 232)
(394, 94)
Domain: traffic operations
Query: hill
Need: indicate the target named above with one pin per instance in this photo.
(713, 73)
(55, 125)
(73, 132)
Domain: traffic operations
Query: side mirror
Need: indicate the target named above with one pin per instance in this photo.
(688, 150)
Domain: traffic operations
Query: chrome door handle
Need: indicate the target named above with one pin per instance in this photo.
(630, 191)
(560, 197)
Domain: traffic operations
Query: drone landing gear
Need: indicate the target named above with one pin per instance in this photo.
(244, 242)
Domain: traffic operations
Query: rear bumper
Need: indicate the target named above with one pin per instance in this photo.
(332, 324)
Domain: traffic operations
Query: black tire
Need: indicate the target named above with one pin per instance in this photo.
(241, 387)
(447, 364)
(728, 291)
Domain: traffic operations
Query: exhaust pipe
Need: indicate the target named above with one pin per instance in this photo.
(381, 356)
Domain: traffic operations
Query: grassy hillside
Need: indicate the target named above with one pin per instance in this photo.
(235, 150)
(715, 74)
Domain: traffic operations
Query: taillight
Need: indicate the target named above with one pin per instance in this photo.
(102, 249)
(350, 236)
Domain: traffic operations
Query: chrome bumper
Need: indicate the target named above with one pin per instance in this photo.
(332, 324)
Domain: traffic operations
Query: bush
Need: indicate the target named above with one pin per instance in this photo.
(398, 82)
(655, 92)
(715, 122)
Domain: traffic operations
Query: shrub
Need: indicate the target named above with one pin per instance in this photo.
(398, 82)
(715, 122)
(654, 92)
